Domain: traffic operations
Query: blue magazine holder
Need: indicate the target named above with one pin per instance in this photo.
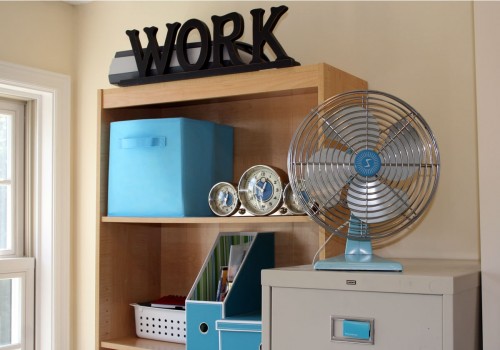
(204, 312)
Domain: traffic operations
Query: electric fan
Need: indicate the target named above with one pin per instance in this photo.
(364, 165)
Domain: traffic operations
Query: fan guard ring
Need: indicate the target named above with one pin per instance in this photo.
(367, 155)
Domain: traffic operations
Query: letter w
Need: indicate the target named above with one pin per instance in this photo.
(153, 53)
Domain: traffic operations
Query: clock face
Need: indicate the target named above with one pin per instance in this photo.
(223, 199)
(291, 201)
(260, 190)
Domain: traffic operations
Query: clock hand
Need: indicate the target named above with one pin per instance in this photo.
(260, 188)
(257, 195)
(259, 198)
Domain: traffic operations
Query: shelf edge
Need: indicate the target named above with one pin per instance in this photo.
(131, 343)
(208, 220)
(224, 86)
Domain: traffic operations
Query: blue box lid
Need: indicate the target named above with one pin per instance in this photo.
(245, 323)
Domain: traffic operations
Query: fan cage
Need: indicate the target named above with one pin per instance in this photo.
(330, 186)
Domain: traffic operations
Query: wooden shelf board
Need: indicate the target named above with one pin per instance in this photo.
(268, 81)
(209, 220)
(132, 343)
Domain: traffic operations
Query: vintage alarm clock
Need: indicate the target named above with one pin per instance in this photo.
(223, 199)
(260, 190)
(291, 205)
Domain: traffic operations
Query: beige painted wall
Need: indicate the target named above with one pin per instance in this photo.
(421, 52)
(487, 24)
(38, 34)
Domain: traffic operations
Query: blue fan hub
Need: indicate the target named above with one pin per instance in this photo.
(367, 163)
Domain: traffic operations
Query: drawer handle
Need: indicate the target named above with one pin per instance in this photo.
(143, 142)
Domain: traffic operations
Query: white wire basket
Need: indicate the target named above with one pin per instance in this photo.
(160, 324)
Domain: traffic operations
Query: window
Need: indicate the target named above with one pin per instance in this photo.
(50, 201)
(16, 269)
(11, 178)
(17, 303)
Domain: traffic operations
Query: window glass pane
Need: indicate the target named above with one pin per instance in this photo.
(10, 311)
(3, 146)
(5, 186)
(4, 217)
(5, 311)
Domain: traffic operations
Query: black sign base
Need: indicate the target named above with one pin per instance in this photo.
(209, 72)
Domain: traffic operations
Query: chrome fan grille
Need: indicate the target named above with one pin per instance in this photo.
(367, 155)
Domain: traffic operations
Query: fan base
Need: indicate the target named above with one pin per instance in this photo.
(358, 262)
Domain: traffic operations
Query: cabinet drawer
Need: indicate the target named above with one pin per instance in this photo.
(302, 319)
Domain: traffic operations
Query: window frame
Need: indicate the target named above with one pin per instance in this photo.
(49, 95)
(23, 268)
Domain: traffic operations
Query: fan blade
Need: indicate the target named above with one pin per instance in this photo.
(355, 127)
(372, 201)
(402, 153)
(328, 171)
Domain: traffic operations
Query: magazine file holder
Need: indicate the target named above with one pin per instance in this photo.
(245, 295)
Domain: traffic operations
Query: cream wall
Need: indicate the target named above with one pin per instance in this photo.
(421, 52)
(38, 34)
(487, 25)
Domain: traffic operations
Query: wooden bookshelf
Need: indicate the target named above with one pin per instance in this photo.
(141, 259)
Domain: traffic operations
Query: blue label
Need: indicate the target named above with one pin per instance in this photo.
(367, 163)
(356, 329)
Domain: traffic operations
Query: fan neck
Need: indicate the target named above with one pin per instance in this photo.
(357, 246)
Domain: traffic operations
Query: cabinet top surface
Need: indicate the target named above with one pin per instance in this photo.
(426, 276)
(309, 78)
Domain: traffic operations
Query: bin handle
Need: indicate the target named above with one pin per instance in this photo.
(143, 142)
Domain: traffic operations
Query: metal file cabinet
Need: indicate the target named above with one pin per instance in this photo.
(432, 304)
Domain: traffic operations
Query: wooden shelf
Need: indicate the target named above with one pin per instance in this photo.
(269, 82)
(131, 343)
(209, 220)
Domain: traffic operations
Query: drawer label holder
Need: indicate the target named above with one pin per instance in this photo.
(352, 329)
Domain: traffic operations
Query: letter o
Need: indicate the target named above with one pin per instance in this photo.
(182, 54)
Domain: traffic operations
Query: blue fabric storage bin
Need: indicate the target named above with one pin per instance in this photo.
(166, 167)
